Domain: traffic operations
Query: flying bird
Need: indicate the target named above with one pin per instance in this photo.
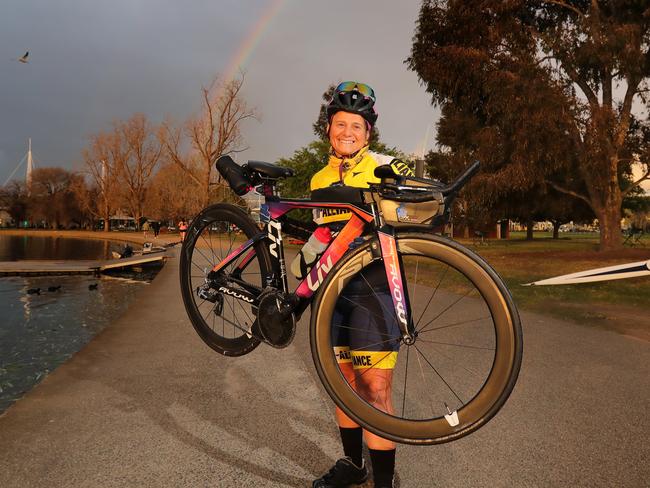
(24, 58)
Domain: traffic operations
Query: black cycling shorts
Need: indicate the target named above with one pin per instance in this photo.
(365, 331)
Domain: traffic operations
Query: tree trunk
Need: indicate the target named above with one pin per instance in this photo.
(609, 212)
(556, 229)
(107, 219)
(609, 219)
(529, 230)
(206, 200)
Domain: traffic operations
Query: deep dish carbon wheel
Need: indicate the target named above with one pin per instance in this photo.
(225, 321)
(464, 361)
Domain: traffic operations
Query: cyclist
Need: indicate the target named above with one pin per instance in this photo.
(365, 302)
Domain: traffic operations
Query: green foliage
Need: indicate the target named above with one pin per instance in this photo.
(637, 204)
(305, 162)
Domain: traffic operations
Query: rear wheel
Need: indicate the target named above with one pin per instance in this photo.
(464, 359)
(219, 304)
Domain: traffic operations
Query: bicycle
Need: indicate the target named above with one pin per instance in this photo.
(459, 327)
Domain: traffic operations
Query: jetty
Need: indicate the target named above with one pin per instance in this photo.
(77, 267)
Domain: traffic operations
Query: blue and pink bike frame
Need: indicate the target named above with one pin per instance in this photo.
(271, 213)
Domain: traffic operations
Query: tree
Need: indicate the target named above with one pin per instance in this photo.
(102, 161)
(14, 198)
(566, 72)
(166, 199)
(52, 200)
(141, 152)
(86, 198)
(216, 130)
(305, 162)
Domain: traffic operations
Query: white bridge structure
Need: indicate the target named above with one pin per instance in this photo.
(30, 167)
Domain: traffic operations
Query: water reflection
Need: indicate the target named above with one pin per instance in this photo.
(39, 331)
(16, 248)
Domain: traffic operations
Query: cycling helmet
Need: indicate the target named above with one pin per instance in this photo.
(356, 98)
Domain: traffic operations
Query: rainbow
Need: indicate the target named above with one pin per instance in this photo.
(247, 47)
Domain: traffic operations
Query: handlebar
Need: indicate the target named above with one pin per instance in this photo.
(462, 179)
(419, 194)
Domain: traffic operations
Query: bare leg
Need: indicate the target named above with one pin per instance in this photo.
(341, 419)
(375, 385)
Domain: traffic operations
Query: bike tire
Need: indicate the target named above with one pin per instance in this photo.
(228, 325)
(484, 341)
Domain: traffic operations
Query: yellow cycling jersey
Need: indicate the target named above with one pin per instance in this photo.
(357, 171)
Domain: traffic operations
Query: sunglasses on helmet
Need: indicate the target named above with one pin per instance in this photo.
(365, 90)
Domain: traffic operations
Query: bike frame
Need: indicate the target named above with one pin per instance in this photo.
(271, 213)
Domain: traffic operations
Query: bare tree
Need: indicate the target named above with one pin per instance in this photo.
(102, 167)
(165, 202)
(86, 198)
(136, 155)
(216, 130)
(52, 200)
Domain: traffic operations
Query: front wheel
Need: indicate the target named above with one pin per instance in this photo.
(462, 364)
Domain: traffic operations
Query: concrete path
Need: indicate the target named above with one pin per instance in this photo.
(146, 404)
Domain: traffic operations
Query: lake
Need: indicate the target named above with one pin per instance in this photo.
(38, 332)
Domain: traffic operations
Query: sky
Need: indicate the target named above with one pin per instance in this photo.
(92, 62)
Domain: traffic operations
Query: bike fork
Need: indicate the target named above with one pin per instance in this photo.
(397, 283)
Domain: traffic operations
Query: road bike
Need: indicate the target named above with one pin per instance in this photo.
(459, 334)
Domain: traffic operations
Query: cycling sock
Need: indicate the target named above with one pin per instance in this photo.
(383, 466)
(352, 439)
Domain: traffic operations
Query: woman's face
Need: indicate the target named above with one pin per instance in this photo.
(348, 133)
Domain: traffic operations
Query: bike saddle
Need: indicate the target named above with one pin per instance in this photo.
(270, 170)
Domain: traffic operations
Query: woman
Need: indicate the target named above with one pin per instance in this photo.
(365, 364)
(182, 229)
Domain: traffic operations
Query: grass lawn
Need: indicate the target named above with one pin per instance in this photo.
(623, 305)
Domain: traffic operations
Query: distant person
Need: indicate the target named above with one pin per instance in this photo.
(127, 252)
(182, 229)
(155, 225)
(146, 228)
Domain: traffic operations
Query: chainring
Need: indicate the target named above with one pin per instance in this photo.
(275, 325)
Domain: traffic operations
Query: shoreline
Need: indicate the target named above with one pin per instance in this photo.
(133, 238)
(624, 320)
(118, 236)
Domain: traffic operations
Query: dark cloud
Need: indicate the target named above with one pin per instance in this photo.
(92, 62)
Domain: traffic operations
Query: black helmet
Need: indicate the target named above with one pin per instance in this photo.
(353, 97)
